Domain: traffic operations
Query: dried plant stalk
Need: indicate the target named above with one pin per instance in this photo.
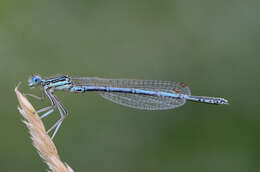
(41, 140)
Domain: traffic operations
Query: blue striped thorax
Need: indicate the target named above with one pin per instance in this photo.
(59, 82)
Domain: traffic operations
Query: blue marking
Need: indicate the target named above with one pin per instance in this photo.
(125, 90)
(77, 89)
(60, 83)
(63, 87)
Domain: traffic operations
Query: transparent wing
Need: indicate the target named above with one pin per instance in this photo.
(139, 101)
(142, 101)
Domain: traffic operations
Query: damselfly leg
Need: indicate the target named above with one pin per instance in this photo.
(55, 104)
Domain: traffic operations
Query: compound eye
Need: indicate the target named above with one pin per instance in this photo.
(36, 79)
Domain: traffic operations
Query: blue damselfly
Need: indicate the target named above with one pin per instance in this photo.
(139, 94)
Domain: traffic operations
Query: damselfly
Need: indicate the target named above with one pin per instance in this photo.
(139, 94)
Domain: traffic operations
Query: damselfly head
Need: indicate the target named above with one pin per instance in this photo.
(34, 80)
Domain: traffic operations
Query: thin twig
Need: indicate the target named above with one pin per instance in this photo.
(41, 140)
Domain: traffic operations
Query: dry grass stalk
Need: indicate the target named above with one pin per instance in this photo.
(41, 140)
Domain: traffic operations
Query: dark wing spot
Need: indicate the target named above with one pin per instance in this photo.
(183, 85)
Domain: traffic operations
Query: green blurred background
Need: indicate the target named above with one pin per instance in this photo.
(212, 46)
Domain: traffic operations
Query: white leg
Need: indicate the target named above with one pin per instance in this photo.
(59, 122)
(57, 128)
(34, 96)
(56, 124)
(47, 113)
(55, 104)
(44, 109)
